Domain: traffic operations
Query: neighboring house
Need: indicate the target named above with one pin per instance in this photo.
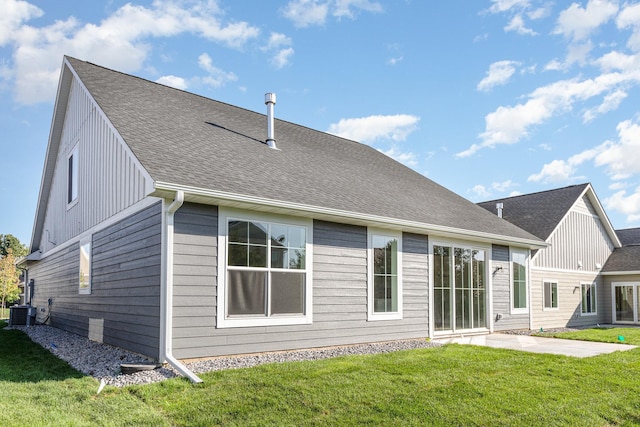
(566, 278)
(177, 226)
(621, 276)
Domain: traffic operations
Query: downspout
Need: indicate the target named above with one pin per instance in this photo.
(530, 289)
(166, 296)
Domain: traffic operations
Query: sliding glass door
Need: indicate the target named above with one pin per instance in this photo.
(626, 299)
(460, 295)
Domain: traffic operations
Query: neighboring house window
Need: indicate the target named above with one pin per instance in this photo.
(459, 288)
(72, 176)
(589, 299)
(266, 271)
(84, 285)
(385, 276)
(550, 294)
(518, 280)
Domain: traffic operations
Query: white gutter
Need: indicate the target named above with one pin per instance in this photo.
(237, 200)
(166, 294)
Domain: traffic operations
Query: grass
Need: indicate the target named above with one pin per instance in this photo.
(450, 385)
(610, 335)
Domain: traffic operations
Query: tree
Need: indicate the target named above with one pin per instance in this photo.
(8, 241)
(9, 279)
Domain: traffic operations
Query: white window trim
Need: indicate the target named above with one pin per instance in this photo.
(75, 177)
(371, 315)
(595, 287)
(222, 321)
(84, 241)
(514, 310)
(544, 307)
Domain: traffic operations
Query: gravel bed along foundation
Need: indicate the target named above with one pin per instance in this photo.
(103, 361)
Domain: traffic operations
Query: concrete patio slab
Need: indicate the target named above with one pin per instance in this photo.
(540, 344)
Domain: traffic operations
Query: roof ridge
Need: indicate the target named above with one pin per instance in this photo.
(536, 192)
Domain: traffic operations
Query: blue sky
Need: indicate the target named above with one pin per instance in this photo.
(488, 98)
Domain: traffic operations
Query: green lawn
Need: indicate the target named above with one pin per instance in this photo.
(611, 335)
(450, 385)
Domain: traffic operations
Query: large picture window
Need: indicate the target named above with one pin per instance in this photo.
(266, 274)
(385, 285)
(459, 288)
(589, 299)
(518, 280)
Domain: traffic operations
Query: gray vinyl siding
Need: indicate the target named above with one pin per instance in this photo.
(568, 312)
(194, 276)
(110, 179)
(501, 285)
(339, 293)
(123, 308)
(579, 237)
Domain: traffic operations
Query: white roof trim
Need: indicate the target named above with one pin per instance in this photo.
(164, 189)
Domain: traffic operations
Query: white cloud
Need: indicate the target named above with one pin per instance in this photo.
(630, 17)
(499, 6)
(498, 74)
(615, 186)
(368, 129)
(408, 159)
(578, 23)
(120, 41)
(559, 171)
(517, 24)
(503, 186)
(627, 204)
(216, 77)
(480, 191)
(508, 125)
(14, 14)
(349, 8)
(173, 81)
(611, 102)
(280, 45)
(305, 13)
(555, 172)
(394, 61)
(622, 158)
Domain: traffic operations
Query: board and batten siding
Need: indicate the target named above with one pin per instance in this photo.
(339, 292)
(580, 238)
(110, 179)
(123, 308)
(501, 286)
(569, 309)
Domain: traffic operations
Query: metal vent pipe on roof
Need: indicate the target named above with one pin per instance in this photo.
(499, 207)
(270, 100)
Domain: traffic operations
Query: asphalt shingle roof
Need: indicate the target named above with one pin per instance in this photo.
(629, 236)
(538, 213)
(185, 139)
(626, 258)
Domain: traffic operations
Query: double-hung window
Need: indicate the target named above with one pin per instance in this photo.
(550, 294)
(589, 299)
(385, 275)
(266, 276)
(518, 280)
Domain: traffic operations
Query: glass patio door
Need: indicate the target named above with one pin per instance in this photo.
(625, 300)
(459, 288)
